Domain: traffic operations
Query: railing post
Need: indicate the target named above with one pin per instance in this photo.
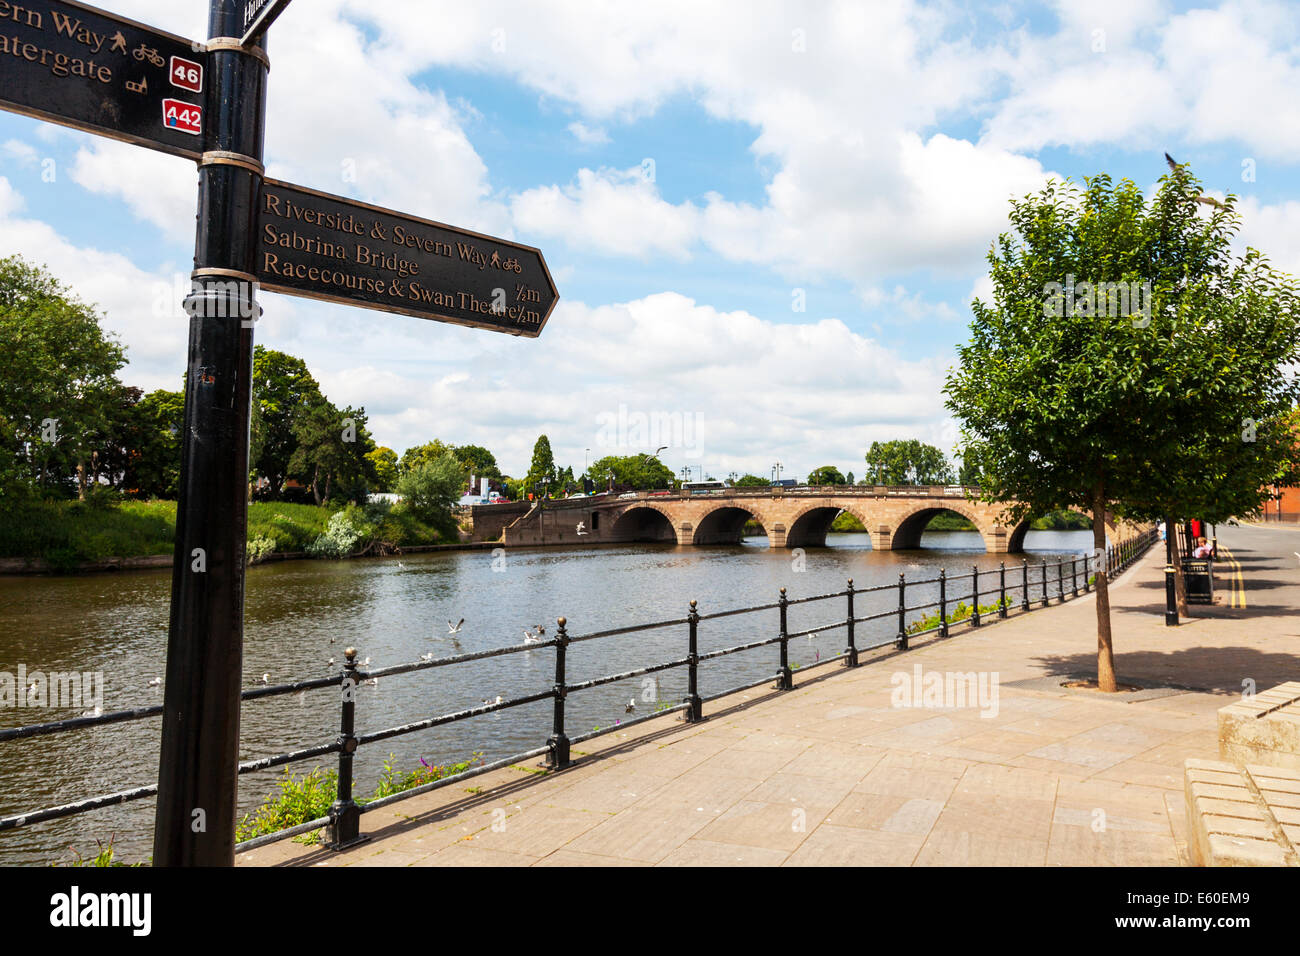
(1002, 589)
(785, 679)
(345, 813)
(694, 706)
(1060, 582)
(900, 642)
(558, 744)
(1047, 600)
(1024, 587)
(975, 595)
(943, 602)
(853, 647)
(1074, 576)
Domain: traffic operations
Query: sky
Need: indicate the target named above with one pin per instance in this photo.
(766, 220)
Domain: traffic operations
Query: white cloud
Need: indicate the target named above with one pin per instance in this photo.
(588, 135)
(17, 151)
(609, 211)
(140, 306)
(159, 189)
(756, 390)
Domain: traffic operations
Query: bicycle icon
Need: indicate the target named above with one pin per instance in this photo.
(143, 52)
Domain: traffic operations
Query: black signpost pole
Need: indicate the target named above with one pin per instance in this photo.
(197, 776)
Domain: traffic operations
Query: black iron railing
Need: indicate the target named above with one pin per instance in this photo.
(344, 818)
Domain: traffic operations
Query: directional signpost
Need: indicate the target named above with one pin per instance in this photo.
(72, 64)
(326, 247)
(258, 15)
(68, 63)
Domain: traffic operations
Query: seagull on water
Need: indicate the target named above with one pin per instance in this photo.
(455, 628)
(531, 638)
(156, 682)
(631, 706)
(97, 712)
(266, 678)
(427, 657)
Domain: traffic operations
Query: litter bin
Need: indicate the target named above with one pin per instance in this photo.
(1199, 576)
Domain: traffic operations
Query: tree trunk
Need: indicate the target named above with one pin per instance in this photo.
(81, 480)
(1180, 581)
(315, 485)
(1105, 650)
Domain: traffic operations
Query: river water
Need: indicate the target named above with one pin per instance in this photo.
(300, 614)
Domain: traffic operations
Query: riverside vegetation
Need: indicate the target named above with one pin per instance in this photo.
(67, 534)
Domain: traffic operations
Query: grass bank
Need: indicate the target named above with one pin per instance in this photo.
(70, 533)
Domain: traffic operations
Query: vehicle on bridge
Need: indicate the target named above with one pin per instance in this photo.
(696, 487)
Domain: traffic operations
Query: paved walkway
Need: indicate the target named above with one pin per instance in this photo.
(832, 773)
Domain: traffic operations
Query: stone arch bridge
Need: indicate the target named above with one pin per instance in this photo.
(894, 516)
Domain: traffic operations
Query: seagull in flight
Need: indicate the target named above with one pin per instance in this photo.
(1208, 200)
(581, 526)
(454, 628)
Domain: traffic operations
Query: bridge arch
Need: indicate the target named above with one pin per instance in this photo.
(907, 534)
(809, 526)
(1016, 539)
(644, 522)
(725, 524)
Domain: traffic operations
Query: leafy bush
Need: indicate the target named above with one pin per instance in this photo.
(260, 548)
(959, 613)
(310, 797)
(298, 801)
(338, 540)
(105, 856)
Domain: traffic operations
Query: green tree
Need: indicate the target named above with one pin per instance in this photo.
(907, 462)
(153, 466)
(630, 473)
(541, 473)
(752, 481)
(331, 449)
(58, 383)
(413, 458)
(430, 490)
(282, 388)
(384, 460)
(826, 475)
(848, 479)
(479, 462)
(1066, 404)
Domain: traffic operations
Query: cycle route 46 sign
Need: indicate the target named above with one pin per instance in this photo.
(327, 247)
(82, 67)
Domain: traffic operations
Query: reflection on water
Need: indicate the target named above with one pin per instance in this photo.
(300, 614)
